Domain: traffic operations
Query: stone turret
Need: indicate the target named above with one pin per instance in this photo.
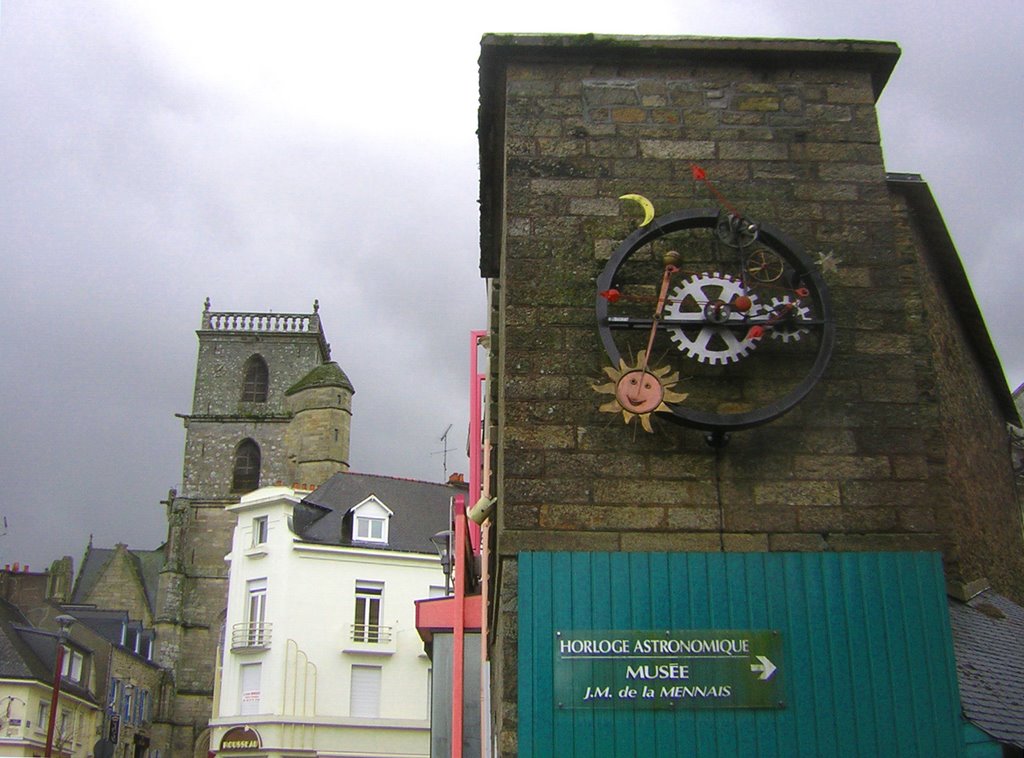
(316, 441)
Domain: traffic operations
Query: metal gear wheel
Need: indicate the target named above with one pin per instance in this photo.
(717, 335)
(735, 231)
(786, 330)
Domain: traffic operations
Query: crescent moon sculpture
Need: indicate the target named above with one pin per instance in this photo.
(644, 203)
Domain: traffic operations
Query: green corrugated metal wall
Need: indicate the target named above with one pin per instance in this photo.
(867, 669)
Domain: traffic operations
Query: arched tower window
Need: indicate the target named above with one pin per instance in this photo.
(254, 385)
(246, 476)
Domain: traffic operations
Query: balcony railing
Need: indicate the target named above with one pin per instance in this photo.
(250, 636)
(371, 633)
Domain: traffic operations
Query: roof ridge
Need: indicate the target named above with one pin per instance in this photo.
(394, 478)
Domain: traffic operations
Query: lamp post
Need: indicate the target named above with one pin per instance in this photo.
(65, 622)
(443, 544)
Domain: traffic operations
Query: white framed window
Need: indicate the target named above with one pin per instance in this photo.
(370, 528)
(256, 611)
(259, 531)
(72, 664)
(249, 688)
(364, 697)
(366, 625)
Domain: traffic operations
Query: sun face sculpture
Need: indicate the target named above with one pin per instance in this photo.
(639, 390)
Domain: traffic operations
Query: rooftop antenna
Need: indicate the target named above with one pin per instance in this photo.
(3, 529)
(444, 451)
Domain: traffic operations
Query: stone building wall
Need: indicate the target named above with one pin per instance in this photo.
(221, 362)
(972, 452)
(144, 675)
(210, 446)
(797, 144)
(787, 130)
(24, 589)
(121, 587)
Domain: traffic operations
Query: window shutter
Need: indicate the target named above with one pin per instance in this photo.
(249, 688)
(365, 694)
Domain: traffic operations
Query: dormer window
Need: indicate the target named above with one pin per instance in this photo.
(370, 521)
(71, 665)
(370, 528)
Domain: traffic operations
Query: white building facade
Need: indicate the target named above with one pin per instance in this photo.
(320, 655)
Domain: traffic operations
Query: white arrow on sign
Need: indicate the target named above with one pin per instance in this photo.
(766, 668)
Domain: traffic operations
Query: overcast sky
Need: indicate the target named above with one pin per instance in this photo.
(154, 153)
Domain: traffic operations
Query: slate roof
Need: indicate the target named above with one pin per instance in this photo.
(106, 623)
(147, 565)
(17, 661)
(30, 653)
(988, 637)
(421, 510)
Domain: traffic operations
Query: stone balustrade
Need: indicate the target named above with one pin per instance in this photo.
(266, 323)
(261, 322)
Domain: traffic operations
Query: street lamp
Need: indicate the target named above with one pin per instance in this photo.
(443, 545)
(65, 622)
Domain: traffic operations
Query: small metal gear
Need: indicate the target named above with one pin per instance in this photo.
(717, 335)
(786, 330)
(736, 231)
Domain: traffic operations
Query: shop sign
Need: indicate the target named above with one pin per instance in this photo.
(675, 669)
(240, 738)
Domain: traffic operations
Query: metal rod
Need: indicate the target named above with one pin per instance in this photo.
(54, 697)
(459, 630)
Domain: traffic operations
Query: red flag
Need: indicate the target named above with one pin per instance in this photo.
(612, 296)
(698, 173)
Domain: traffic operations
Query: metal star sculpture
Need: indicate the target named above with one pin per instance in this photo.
(828, 263)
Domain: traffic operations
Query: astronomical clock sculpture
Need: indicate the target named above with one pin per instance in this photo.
(716, 321)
